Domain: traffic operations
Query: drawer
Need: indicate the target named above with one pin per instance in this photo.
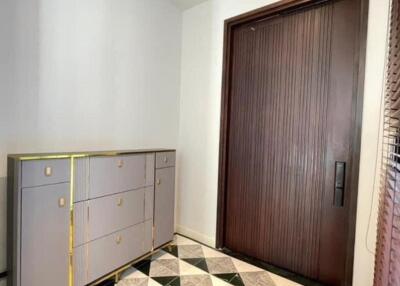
(111, 175)
(132, 173)
(165, 159)
(45, 172)
(103, 176)
(112, 213)
(115, 250)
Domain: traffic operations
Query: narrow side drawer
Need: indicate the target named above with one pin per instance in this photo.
(165, 159)
(45, 172)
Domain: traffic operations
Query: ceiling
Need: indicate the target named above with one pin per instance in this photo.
(186, 4)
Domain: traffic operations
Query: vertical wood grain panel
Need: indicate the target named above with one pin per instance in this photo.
(291, 108)
(277, 139)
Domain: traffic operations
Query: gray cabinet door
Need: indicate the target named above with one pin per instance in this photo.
(45, 235)
(164, 206)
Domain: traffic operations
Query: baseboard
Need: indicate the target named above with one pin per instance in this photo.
(207, 240)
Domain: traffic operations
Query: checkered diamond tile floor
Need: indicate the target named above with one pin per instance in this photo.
(188, 263)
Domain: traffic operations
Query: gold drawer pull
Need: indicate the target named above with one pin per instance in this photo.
(120, 201)
(48, 171)
(119, 239)
(61, 202)
(165, 159)
(158, 182)
(120, 163)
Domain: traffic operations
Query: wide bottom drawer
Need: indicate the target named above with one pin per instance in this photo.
(113, 251)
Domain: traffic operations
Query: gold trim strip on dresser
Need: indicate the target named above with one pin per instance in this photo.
(68, 155)
(72, 159)
(71, 224)
(30, 158)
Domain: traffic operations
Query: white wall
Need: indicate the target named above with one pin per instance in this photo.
(202, 47)
(86, 75)
(368, 188)
(98, 74)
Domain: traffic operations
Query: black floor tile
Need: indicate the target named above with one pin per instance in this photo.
(171, 249)
(143, 266)
(226, 276)
(166, 280)
(237, 280)
(108, 282)
(175, 282)
(198, 262)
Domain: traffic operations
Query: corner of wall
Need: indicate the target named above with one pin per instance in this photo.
(207, 240)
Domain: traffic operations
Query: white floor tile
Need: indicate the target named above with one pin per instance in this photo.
(218, 282)
(180, 240)
(188, 269)
(164, 265)
(153, 283)
(162, 255)
(209, 252)
(242, 266)
(133, 273)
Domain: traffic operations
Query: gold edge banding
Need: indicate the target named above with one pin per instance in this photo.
(72, 158)
(30, 158)
(71, 225)
(115, 273)
(82, 155)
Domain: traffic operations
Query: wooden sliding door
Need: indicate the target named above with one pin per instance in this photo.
(288, 169)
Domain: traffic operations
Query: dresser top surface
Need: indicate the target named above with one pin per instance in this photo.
(61, 155)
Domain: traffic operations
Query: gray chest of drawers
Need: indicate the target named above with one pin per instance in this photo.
(74, 218)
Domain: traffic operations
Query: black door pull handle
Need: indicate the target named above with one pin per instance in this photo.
(340, 174)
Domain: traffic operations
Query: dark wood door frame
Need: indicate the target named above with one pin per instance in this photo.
(287, 6)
